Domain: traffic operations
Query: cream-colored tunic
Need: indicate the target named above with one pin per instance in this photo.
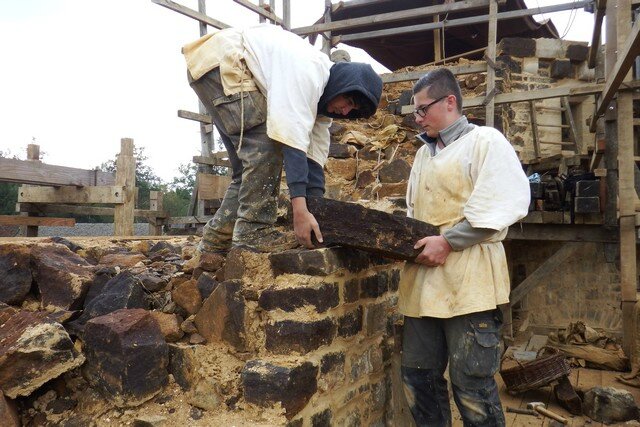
(477, 177)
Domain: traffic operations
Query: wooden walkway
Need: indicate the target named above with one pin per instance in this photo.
(582, 379)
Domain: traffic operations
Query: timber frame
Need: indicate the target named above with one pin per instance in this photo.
(613, 160)
(49, 189)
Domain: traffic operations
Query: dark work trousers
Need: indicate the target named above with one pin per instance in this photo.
(470, 345)
(249, 209)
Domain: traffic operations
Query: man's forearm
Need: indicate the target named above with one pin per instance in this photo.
(464, 235)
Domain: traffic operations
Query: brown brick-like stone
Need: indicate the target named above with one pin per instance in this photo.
(9, 413)
(374, 286)
(350, 324)
(351, 290)
(352, 225)
(63, 278)
(265, 383)
(561, 69)
(33, 350)
(122, 259)
(341, 151)
(318, 262)
(15, 273)
(342, 168)
(127, 356)
(577, 52)
(396, 171)
(151, 282)
(289, 335)
(322, 298)
(375, 318)
(365, 178)
(207, 283)
(516, 46)
(187, 295)
(221, 317)
(394, 280)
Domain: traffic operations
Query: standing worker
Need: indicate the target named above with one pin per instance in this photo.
(272, 96)
(468, 181)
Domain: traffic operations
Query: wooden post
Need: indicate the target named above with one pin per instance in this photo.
(491, 55)
(155, 204)
(286, 13)
(261, 18)
(626, 189)
(33, 154)
(437, 41)
(611, 129)
(125, 177)
(326, 40)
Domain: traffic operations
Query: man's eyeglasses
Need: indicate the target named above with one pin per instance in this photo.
(422, 111)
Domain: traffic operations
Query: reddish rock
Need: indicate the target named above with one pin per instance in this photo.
(15, 273)
(365, 178)
(211, 261)
(63, 278)
(127, 356)
(392, 189)
(342, 168)
(187, 295)
(221, 317)
(169, 325)
(122, 260)
(8, 413)
(34, 349)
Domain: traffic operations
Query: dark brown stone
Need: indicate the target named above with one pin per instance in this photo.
(332, 362)
(610, 405)
(375, 318)
(322, 298)
(265, 384)
(286, 336)
(318, 262)
(169, 325)
(122, 291)
(365, 177)
(9, 413)
(578, 52)
(152, 283)
(127, 356)
(365, 153)
(561, 69)
(472, 81)
(15, 273)
(352, 225)
(122, 260)
(341, 151)
(182, 365)
(34, 349)
(374, 286)
(392, 189)
(221, 317)
(351, 290)
(207, 283)
(396, 171)
(63, 278)
(210, 261)
(517, 46)
(567, 396)
(350, 324)
(321, 419)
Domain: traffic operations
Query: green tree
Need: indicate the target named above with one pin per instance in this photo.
(8, 191)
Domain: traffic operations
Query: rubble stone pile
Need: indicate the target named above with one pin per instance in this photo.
(142, 333)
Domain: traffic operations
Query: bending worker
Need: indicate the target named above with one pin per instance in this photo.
(272, 96)
(468, 181)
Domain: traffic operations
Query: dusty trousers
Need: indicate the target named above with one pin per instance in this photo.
(469, 344)
(249, 209)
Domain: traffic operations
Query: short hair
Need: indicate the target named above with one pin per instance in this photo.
(439, 83)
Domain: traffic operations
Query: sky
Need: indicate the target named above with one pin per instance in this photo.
(79, 75)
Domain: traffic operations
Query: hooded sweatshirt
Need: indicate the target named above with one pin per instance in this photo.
(293, 76)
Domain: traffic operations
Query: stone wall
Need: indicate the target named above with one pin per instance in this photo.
(314, 329)
(585, 287)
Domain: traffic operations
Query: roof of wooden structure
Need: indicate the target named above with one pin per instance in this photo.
(416, 48)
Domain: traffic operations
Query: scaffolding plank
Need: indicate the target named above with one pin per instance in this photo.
(70, 194)
(34, 221)
(37, 173)
(200, 17)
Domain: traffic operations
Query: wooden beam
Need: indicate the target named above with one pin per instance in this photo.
(352, 4)
(126, 178)
(69, 194)
(189, 115)
(490, 56)
(556, 92)
(415, 75)
(536, 278)
(261, 11)
(156, 203)
(626, 57)
(573, 130)
(534, 130)
(183, 10)
(463, 21)
(212, 161)
(34, 221)
(286, 13)
(57, 209)
(38, 173)
(562, 233)
(601, 6)
(211, 187)
(385, 18)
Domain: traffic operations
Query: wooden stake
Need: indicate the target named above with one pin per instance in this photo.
(491, 55)
(125, 177)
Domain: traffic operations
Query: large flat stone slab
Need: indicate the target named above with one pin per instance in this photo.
(354, 226)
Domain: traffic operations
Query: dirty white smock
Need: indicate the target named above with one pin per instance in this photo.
(289, 72)
(477, 177)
